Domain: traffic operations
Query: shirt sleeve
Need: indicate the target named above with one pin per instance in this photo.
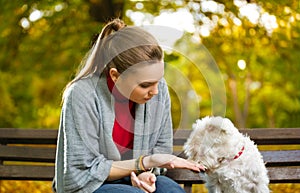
(85, 169)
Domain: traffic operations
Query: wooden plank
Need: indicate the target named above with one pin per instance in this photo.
(182, 176)
(24, 153)
(27, 136)
(274, 136)
(42, 173)
(261, 136)
(281, 158)
(272, 158)
(284, 174)
(48, 136)
(276, 174)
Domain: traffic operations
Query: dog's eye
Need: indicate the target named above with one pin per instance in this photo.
(221, 159)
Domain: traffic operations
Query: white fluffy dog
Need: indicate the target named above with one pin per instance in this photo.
(233, 162)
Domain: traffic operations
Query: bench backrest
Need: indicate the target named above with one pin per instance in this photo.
(29, 154)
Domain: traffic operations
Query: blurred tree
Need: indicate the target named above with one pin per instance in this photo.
(264, 92)
(103, 10)
(255, 45)
(42, 42)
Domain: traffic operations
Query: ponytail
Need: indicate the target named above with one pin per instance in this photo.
(112, 26)
(88, 67)
(109, 28)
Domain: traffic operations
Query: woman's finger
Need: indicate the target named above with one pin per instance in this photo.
(146, 187)
(134, 180)
(137, 183)
(196, 166)
(152, 179)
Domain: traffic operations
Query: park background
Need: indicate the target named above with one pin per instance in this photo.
(255, 45)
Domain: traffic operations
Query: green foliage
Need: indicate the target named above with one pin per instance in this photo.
(265, 93)
(38, 60)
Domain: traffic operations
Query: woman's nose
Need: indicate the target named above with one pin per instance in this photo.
(154, 90)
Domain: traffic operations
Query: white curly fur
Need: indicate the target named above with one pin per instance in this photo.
(214, 142)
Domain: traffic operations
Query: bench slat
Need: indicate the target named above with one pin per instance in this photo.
(23, 153)
(276, 175)
(182, 176)
(284, 174)
(38, 154)
(27, 136)
(272, 158)
(261, 136)
(42, 173)
(281, 158)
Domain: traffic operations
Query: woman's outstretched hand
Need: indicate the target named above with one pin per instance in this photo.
(171, 161)
(145, 181)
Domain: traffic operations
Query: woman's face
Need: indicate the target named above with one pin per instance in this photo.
(140, 82)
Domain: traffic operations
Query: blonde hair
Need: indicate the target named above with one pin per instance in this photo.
(119, 46)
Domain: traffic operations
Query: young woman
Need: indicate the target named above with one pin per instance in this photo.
(115, 124)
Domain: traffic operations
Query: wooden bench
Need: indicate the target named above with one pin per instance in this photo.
(29, 154)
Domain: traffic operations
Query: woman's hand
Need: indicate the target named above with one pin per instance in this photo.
(171, 161)
(145, 181)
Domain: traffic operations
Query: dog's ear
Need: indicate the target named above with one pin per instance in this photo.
(212, 128)
(217, 124)
(223, 131)
(217, 128)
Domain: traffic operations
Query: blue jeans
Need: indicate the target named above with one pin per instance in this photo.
(163, 185)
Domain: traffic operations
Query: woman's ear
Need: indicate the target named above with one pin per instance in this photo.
(114, 74)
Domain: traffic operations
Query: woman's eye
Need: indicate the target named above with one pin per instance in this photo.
(145, 85)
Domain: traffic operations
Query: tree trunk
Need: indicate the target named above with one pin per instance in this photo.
(104, 10)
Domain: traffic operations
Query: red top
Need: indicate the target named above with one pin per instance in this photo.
(124, 119)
